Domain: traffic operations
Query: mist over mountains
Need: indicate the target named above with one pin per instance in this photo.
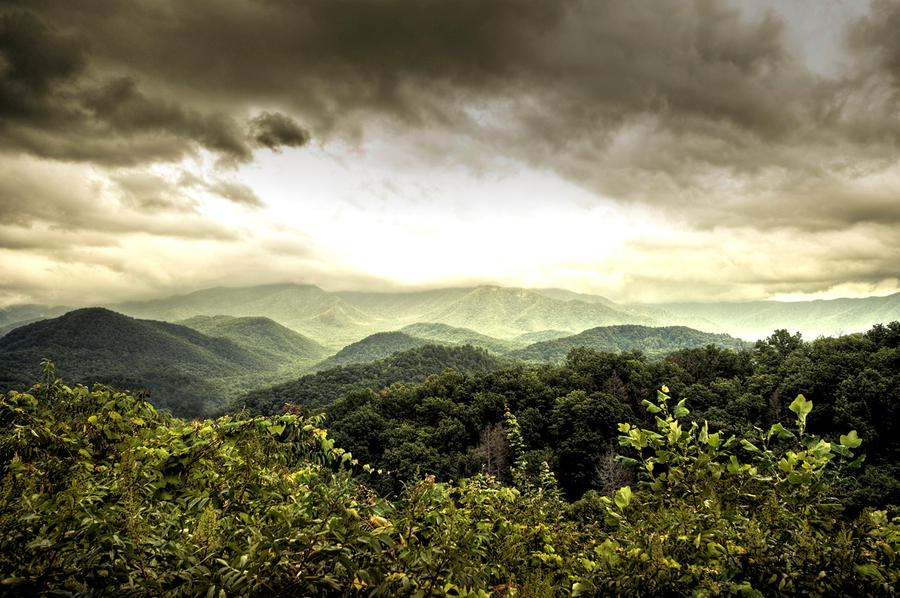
(336, 319)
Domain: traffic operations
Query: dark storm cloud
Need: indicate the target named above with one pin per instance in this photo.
(657, 101)
(877, 34)
(273, 130)
(126, 111)
(53, 104)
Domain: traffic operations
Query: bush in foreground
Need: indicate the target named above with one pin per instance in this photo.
(102, 495)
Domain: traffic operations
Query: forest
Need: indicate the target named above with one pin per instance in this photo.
(766, 471)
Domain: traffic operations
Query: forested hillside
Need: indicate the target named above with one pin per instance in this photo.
(452, 335)
(263, 336)
(371, 348)
(315, 391)
(453, 425)
(186, 372)
(654, 342)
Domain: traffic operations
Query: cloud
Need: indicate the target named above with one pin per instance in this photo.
(273, 130)
(657, 102)
(126, 111)
(57, 105)
(700, 110)
(46, 198)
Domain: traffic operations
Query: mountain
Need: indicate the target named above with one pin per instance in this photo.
(566, 295)
(341, 318)
(15, 316)
(758, 319)
(186, 371)
(404, 306)
(306, 309)
(264, 337)
(336, 319)
(528, 338)
(654, 342)
(451, 335)
(507, 312)
(375, 346)
(315, 391)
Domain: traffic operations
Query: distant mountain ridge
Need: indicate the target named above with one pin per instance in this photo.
(263, 336)
(315, 391)
(453, 335)
(653, 342)
(823, 317)
(338, 319)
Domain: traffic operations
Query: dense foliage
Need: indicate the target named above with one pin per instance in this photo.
(314, 391)
(103, 495)
(452, 425)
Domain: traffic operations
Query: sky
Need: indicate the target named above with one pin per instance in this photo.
(662, 150)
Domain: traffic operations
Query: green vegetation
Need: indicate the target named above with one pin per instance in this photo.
(452, 425)
(654, 342)
(264, 337)
(102, 495)
(315, 391)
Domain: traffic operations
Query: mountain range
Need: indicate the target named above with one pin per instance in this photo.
(512, 316)
(196, 351)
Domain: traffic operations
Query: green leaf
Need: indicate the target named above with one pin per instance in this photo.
(623, 497)
(851, 440)
(801, 407)
(650, 406)
(681, 410)
(780, 431)
(749, 446)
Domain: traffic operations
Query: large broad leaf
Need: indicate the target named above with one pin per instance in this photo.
(851, 440)
(801, 407)
(650, 406)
